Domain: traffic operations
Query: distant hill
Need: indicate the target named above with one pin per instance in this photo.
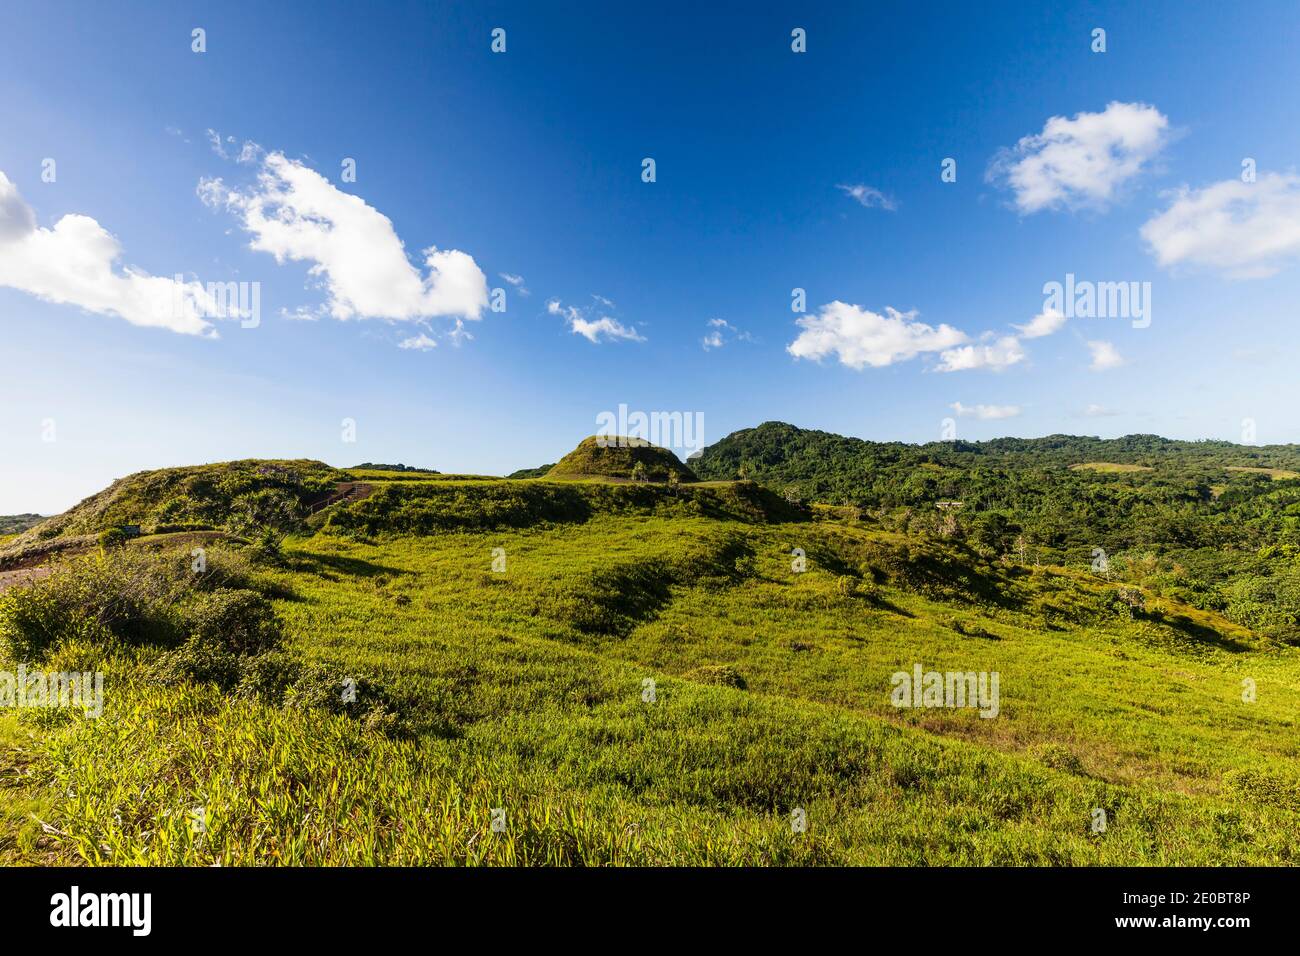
(537, 472)
(15, 524)
(609, 456)
(1061, 496)
(371, 466)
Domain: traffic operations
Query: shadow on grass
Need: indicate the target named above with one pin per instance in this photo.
(324, 564)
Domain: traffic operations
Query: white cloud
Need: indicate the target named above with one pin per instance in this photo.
(985, 412)
(1081, 161)
(249, 153)
(75, 263)
(601, 329)
(859, 337)
(604, 327)
(302, 313)
(1099, 411)
(1045, 323)
(295, 213)
(1246, 230)
(996, 356)
(869, 196)
(516, 281)
(419, 343)
(1104, 356)
(720, 333)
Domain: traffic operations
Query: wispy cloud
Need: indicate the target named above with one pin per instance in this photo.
(1099, 411)
(1045, 323)
(1104, 356)
(720, 332)
(869, 196)
(516, 281)
(418, 343)
(228, 148)
(985, 412)
(602, 328)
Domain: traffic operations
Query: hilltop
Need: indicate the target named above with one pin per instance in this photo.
(609, 456)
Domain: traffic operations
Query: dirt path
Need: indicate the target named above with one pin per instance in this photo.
(10, 579)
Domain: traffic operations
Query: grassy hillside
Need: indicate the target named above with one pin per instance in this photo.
(16, 524)
(611, 456)
(501, 635)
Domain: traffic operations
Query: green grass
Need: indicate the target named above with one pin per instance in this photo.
(1277, 474)
(1110, 467)
(523, 690)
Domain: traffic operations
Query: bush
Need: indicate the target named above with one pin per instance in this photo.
(112, 538)
(721, 675)
(242, 621)
(101, 599)
(1059, 757)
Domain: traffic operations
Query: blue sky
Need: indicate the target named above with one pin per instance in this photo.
(774, 170)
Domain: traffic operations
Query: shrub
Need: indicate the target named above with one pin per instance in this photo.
(112, 538)
(722, 675)
(238, 620)
(1264, 786)
(1059, 757)
(104, 598)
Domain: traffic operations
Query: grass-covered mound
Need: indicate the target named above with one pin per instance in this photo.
(433, 507)
(194, 497)
(610, 456)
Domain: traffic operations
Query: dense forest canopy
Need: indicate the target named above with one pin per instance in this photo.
(1213, 522)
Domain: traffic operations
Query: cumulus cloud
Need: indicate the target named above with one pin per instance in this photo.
(869, 196)
(859, 337)
(985, 412)
(1246, 230)
(295, 213)
(603, 328)
(1099, 411)
(1104, 356)
(1081, 161)
(75, 263)
(1045, 323)
(995, 356)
